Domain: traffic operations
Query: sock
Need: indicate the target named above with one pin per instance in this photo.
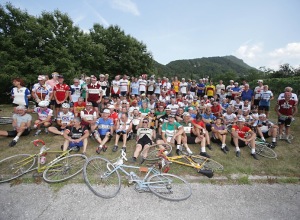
(252, 151)
(223, 145)
(100, 146)
(203, 149)
(273, 139)
(178, 146)
(237, 149)
(189, 150)
(16, 138)
(263, 139)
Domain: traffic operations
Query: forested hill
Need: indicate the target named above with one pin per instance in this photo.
(214, 67)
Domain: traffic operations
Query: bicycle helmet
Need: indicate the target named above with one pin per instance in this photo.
(43, 103)
(65, 105)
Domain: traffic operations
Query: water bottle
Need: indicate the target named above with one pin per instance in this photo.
(42, 160)
(43, 155)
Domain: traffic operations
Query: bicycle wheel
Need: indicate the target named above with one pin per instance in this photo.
(101, 177)
(64, 168)
(169, 187)
(263, 150)
(208, 163)
(6, 120)
(15, 166)
(154, 149)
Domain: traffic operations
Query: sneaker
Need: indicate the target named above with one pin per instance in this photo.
(209, 147)
(224, 150)
(178, 152)
(104, 148)
(98, 150)
(46, 131)
(237, 153)
(37, 132)
(273, 144)
(83, 153)
(254, 156)
(204, 154)
(133, 160)
(12, 143)
(124, 149)
(115, 148)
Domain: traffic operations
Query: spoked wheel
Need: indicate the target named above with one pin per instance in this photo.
(101, 177)
(15, 166)
(154, 149)
(208, 164)
(6, 120)
(264, 150)
(169, 187)
(65, 168)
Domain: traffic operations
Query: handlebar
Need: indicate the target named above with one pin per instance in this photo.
(123, 155)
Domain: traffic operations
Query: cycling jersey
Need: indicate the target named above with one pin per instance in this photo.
(241, 131)
(141, 132)
(61, 91)
(43, 114)
(20, 96)
(187, 127)
(42, 92)
(123, 85)
(170, 129)
(94, 92)
(75, 133)
(104, 126)
(65, 118)
(75, 92)
(286, 107)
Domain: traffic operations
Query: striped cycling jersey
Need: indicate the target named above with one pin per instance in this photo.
(123, 85)
(170, 129)
(42, 92)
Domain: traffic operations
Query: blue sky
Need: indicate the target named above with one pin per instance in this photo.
(261, 32)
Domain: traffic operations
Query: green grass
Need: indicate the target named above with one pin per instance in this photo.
(287, 164)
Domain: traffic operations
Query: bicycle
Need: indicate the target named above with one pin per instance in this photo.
(203, 165)
(263, 149)
(63, 167)
(103, 179)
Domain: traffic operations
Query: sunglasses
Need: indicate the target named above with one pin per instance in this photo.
(145, 122)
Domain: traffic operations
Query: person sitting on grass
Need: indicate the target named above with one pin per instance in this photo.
(123, 131)
(44, 117)
(76, 136)
(219, 134)
(189, 138)
(103, 130)
(65, 118)
(171, 133)
(265, 129)
(240, 139)
(144, 140)
(21, 124)
(200, 131)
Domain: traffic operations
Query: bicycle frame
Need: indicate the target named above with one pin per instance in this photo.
(192, 163)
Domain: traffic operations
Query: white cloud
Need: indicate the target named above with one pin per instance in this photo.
(126, 6)
(290, 50)
(249, 52)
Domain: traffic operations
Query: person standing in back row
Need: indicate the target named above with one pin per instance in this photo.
(61, 93)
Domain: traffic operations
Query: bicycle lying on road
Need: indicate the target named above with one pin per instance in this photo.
(203, 165)
(61, 168)
(103, 179)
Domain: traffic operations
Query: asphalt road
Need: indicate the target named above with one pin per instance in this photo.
(76, 201)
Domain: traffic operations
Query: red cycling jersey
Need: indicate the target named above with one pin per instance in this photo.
(61, 91)
(241, 131)
(286, 107)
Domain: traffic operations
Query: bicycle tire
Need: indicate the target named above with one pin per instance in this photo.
(263, 150)
(64, 168)
(11, 167)
(6, 120)
(169, 187)
(99, 178)
(153, 151)
(208, 163)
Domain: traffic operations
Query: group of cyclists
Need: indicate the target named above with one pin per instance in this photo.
(150, 110)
